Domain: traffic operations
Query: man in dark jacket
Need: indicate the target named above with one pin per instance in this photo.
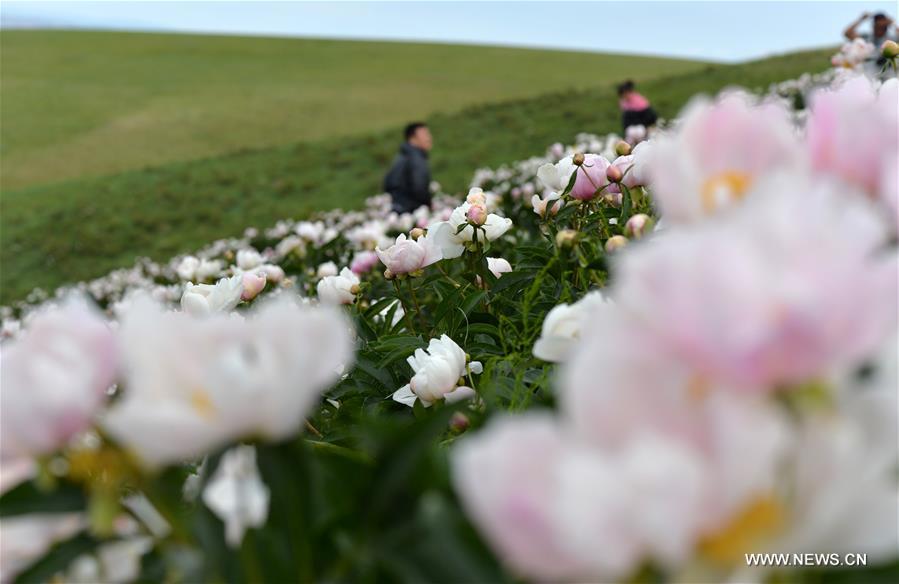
(409, 178)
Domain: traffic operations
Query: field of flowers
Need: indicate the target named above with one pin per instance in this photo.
(628, 360)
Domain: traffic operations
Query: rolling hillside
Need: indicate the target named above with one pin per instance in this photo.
(81, 229)
(78, 103)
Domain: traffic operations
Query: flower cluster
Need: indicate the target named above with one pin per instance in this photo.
(718, 406)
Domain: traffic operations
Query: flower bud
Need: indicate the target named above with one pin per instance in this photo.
(622, 148)
(890, 49)
(252, 285)
(388, 275)
(477, 214)
(613, 173)
(613, 199)
(615, 242)
(578, 158)
(638, 226)
(354, 289)
(459, 422)
(416, 233)
(566, 238)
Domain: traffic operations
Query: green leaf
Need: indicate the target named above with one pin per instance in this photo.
(28, 498)
(625, 206)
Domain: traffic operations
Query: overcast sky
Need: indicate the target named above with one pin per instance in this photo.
(725, 31)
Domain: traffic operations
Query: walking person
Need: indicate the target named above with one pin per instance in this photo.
(409, 179)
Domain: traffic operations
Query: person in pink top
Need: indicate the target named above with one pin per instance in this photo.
(635, 109)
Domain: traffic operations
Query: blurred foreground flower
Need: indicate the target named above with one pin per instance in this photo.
(237, 494)
(193, 385)
(798, 276)
(55, 379)
(716, 153)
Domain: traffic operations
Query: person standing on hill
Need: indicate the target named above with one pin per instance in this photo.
(882, 29)
(635, 109)
(409, 179)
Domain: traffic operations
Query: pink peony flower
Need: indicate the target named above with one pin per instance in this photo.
(252, 285)
(407, 255)
(717, 152)
(591, 176)
(556, 509)
(792, 285)
(363, 262)
(853, 134)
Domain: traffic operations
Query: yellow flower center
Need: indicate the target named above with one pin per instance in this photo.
(202, 403)
(760, 519)
(698, 387)
(731, 184)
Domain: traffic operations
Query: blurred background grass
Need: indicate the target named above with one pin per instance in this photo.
(78, 103)
(81, 228)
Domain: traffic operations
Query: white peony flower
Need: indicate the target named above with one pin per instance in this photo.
(498, 266)
(203, 299)
(551, 204)
(247, 259)
(187, 268)
(451, 240)
(237, 495)
(341, 289)
(556, 177)
(196, 384)
(437, 373)
(562, 327)
(326, 269)
(209, 269)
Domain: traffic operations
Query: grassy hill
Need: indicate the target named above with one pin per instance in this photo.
(80, 229)
(77, 103)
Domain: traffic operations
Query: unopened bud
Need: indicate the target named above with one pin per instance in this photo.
(578, 158)
(890, 49)
(388, 275)
(354, 289)
(566, 238)
(459, 422)
(613, 199)
(615, 242)
(638, 226)
(477, 214)
(613, 173)
(622, 148)
(416, 233)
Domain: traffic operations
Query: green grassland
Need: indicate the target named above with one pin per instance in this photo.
(78, 103)
(80, 229)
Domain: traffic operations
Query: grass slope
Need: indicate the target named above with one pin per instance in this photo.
(82, 229)
(78, 103)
